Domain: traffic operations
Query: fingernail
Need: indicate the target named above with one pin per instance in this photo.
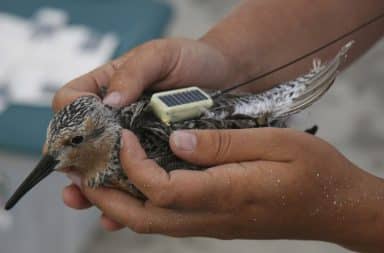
(184, 140)
(113, 99)
(75, 178)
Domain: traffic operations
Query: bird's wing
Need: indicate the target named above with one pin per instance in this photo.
(282, 100)
(307, 90)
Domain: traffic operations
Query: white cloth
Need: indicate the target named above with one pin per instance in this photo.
(40, 54)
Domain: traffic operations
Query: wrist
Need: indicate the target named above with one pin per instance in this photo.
(358, 219)
(235, 72)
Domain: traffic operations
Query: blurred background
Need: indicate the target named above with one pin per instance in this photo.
(45, 43)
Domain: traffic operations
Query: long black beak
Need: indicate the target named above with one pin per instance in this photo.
(42, 170)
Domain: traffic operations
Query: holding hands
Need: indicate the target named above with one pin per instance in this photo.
(261, 183)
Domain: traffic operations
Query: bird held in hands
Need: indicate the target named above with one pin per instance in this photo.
(85, 135)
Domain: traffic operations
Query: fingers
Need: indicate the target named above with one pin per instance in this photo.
(66, 95)
(160, 64)
(146, 218)
(110, 224)
(212, 147)
(88, 84)
(74, 198)
(114, 204)
(179, 188)
(169, 63)
(143, 66)
(125, 77)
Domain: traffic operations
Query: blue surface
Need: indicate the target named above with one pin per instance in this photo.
(24, 128)
(134, 21)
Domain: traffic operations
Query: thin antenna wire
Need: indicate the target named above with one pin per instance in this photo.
(219, 93)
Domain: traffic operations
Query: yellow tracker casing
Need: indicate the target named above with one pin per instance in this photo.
(180, 104)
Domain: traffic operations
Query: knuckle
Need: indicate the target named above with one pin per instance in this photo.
(115, 65)
(295, 139)
(94, 78)
(290, 143)
(154, 46)
(222, 142)
(160, 44)
(279, 141)
(165, 49)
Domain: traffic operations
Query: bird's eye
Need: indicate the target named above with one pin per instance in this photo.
(77, 140)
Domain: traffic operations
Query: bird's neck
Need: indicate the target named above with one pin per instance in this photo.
(106, 159)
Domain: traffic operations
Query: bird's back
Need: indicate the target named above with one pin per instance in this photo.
(232, 111)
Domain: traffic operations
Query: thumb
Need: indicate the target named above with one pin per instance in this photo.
(213, 147)
(143, 66)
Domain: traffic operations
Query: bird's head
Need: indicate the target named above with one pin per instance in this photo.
(82, 136)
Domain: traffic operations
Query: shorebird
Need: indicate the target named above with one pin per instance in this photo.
(85, 135)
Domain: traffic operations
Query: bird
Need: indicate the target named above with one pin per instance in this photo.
(85, 134)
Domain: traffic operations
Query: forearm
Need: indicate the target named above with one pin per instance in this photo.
(260, 35)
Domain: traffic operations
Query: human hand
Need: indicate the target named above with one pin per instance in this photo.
(158, 64)
(264, 184)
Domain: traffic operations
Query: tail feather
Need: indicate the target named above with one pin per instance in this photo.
(283, 100)
(311, 87)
